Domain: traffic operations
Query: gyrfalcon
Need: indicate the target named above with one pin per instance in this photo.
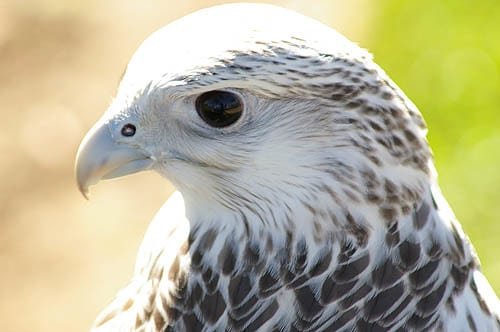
(307, 197)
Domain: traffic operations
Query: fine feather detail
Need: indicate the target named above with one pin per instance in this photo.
(318, 211)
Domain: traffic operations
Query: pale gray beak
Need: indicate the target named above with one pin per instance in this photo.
(100, 157)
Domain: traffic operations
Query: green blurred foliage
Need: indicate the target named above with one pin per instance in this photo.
(446, 56)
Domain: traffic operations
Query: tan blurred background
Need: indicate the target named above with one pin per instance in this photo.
(63, 258)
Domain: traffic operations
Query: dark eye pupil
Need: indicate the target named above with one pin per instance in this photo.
(128, 130)
(219, 108)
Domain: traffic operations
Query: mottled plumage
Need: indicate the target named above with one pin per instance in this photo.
(317, 210)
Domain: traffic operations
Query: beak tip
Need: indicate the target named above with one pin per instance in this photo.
(82, 181)
(84, 191)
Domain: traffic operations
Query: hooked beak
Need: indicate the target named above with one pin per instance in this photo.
(100, 157)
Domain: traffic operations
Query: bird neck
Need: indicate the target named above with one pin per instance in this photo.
(340, 203)
(282, 229)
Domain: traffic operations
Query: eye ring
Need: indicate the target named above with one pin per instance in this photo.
(219, 108)
(128, 130)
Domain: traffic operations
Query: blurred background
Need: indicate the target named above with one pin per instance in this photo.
(63, 258)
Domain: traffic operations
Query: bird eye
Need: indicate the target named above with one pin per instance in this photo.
(128, 130)
(219, 108)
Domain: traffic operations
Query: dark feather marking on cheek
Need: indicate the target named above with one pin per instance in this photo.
(375, 160)
(375, 126)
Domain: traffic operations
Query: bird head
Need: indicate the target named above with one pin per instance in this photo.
(245, 102)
